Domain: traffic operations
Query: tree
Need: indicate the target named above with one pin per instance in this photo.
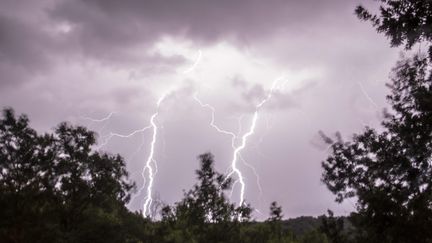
(275, 212)
(275, 221)
(56, 188)
(333, 228)
(405, 22)
(389, 171)
(27, 182)
(205, 214)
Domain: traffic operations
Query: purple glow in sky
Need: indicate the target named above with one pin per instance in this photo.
(105, 63)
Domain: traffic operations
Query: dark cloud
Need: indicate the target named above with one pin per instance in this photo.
(22, 51)
(120, 33)
(109, 23)
(33, 41)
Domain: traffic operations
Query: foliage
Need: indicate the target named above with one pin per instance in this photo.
(56, 188)
(205, 215)
(333, 228)
(405, 22)
(389, 171)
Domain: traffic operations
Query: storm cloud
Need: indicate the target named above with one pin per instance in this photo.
(67, 60)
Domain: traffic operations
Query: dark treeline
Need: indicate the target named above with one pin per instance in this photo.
(57, 188)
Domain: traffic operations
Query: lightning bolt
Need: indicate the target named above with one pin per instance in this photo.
(363, 90)
(150, 166)
(212, 121)
(195, 63)
(238, 144)
(108, 137)
(150, 159)
(150, 163)
(99, 120)
(237, 155)
(234, 169)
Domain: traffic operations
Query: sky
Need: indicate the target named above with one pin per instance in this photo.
(105, 64)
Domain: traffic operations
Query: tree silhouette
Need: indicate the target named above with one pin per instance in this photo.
(275, 221)
(389, 171)
(333, 228)
(405, 22)
(205, 214)
(55, 188)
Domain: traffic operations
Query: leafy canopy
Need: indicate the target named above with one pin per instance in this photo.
(388, 171)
